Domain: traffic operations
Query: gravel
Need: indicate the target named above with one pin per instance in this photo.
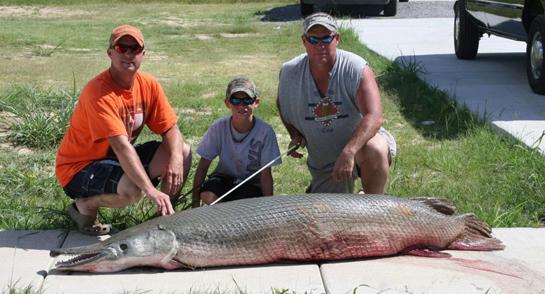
(410, 9)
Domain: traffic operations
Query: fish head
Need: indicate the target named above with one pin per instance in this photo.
(155, 247)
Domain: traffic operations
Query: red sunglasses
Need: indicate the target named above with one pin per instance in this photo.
(134, 49)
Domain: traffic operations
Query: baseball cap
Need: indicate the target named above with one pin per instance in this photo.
(319, 18)
(241, 84)
(126, 30)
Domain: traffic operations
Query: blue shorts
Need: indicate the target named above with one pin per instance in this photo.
(102, 176)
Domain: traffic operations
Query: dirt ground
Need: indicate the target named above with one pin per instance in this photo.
(6, 119)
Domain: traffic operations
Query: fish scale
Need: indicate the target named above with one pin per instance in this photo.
(308, 227)
(307, 224)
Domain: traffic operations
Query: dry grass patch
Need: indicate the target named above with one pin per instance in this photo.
(238, 35)
(45, 12)
(203, 37)
(193, 114)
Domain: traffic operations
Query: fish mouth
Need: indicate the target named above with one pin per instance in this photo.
(78, 257)
(78, 260)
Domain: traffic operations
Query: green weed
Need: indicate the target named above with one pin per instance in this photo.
(46, 51)
(41, 116)
(14, 288)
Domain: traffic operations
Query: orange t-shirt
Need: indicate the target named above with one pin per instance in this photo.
(105, 110)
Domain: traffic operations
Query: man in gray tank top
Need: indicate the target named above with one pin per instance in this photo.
(329, 101)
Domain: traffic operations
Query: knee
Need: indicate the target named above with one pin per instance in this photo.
(128, 195)
(186, 152)
(208, 197)
(373, 155)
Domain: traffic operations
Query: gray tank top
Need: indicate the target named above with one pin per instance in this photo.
(326, 122)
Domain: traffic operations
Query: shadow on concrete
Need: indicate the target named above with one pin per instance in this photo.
(129, 271)
(155, 270)
(492, 87)
(281, 14)
(40, 240)
(35, 240)
(293, 12)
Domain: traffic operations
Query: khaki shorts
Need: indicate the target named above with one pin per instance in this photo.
(323, 181)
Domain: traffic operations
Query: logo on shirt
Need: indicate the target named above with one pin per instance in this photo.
(325, 111)
(133, 119)
(254, 155)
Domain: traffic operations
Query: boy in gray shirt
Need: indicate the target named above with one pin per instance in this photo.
(243, 143)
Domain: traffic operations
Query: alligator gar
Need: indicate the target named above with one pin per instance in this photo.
(312, 227)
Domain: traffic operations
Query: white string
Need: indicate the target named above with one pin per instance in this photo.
(252, 175)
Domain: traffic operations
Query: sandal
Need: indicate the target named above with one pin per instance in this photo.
(88, 225)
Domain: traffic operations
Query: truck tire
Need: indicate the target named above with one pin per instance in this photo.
(535, 67)
(466, 33)
(390, 9)
(306, 9)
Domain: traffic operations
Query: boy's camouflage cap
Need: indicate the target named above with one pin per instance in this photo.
(241, 84)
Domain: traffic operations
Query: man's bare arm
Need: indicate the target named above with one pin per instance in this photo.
(295, 136)
(172, 175)
(198, 179)
(266, 181)
(368, 99)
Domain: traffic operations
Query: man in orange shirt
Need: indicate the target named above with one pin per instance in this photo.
(97, 163)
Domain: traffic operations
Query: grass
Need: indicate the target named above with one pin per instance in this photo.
(41, 117)
(15, 289)
(194, 50)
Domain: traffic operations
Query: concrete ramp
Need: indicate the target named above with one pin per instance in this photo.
(24, 257)
(493, 86)
(300, 278)
(520, 268)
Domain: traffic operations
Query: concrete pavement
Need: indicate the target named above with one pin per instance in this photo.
(494, 85)
(520, 268)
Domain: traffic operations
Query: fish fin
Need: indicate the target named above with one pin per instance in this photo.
(477, 235)
(179, 264)
(474, 242)
(425, 252)
(173, 264)
(441, 205)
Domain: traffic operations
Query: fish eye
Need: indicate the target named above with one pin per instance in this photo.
(123, 247)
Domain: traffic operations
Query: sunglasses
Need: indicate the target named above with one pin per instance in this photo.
(315, 40)
(246, 100)
(134, 49)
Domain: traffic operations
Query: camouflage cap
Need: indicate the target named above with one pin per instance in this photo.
(319, 18)
(241, 84)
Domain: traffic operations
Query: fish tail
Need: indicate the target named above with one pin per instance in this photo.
(441, 205)
(477, 235)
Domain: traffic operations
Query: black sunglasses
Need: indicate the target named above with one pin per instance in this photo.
(315, 40)
(246, 100)
(134, 49)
